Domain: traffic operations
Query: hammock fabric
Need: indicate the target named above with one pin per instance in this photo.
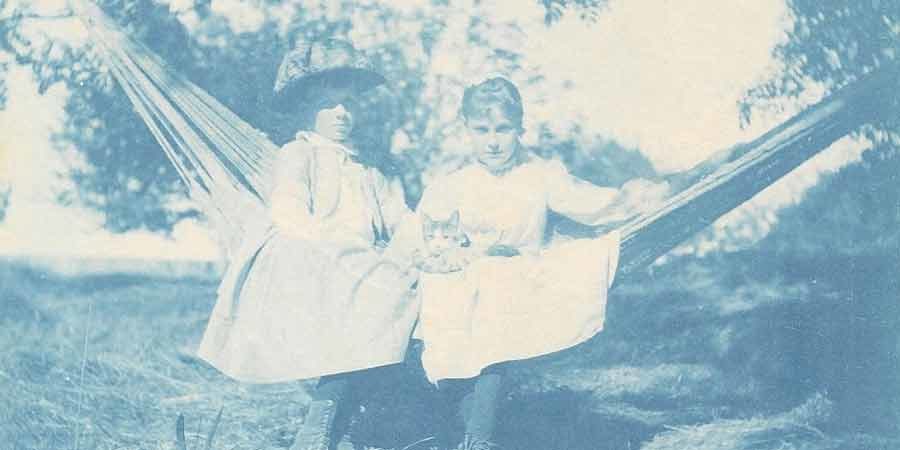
(749, 168)
(227, 164)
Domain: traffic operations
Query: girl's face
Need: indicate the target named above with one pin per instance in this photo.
(334, 119)
(495, 136)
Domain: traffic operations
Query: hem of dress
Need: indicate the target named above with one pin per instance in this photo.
(241, 377)
(463, 375)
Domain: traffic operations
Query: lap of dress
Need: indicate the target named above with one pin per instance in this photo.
(505, 309)
(296, 308)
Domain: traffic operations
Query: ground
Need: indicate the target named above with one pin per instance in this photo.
(722, 353)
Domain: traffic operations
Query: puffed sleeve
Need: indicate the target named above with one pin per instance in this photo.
(594, 205)
(290, 202)
(580, 200)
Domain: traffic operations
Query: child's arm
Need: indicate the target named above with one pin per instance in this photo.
(594, 205)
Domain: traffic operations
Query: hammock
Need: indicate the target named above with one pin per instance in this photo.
(227, 164)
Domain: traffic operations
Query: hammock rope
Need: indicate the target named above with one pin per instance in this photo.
(225, 163)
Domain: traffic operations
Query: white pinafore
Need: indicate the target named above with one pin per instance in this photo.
(308, 294)
(509, 308)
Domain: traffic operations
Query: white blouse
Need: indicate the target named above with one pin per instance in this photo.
(511, 208)
(321, 192)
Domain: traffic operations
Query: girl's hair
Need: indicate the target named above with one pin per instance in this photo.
(494, 92)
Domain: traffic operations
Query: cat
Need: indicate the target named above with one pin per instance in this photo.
(446, 245)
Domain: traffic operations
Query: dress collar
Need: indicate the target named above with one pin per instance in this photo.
(521, 157)
(345, 152)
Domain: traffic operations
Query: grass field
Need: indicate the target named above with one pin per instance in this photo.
(705, 354)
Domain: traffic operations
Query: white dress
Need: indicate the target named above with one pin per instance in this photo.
(309, 294)
(508, 308)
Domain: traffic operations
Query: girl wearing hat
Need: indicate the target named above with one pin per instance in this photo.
(521, 299)
(313, 295)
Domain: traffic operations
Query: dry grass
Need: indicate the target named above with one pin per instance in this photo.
(103, 363)
(797, 429)
(100, 364)
(791, 430)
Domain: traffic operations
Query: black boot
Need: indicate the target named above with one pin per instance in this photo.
(479, 412)
(315, 433)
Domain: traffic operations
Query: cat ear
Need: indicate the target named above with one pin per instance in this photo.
(454, 219)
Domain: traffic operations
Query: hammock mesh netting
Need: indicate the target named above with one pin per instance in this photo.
(225, 163)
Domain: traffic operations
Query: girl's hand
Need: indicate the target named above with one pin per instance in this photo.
(502, 250)
(495, 249)
(644, 196)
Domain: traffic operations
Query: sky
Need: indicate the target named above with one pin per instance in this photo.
(663, 77)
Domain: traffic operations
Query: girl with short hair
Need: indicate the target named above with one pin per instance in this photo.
(518, 298)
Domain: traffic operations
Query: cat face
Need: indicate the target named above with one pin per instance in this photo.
(443, 235)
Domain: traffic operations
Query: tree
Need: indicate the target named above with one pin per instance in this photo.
(842, 235)
(128, 177)
(832, 43)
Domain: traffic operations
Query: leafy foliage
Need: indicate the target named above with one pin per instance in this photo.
(129, 179)
(586, 9)
(833, 43)
(412, 121)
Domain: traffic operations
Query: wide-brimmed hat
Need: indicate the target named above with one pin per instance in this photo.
(313, 65)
